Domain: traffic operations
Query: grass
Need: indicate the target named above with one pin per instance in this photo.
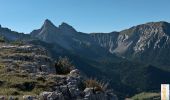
(18, 84)
(93, 83)
(146, 96)
(12, 80)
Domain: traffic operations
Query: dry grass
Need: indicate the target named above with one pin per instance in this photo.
(97, 85)
(146, 96)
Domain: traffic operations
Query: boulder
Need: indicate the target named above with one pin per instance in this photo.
(90, 94)
(88, 91)
(75, 72)
(55, 96)
(2, 97)
(74, 92)
(64, 89)
(44, 95)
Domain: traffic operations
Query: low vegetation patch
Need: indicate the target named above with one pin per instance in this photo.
(2, 39)
(146, 96)
(63, 65)
(97, 85)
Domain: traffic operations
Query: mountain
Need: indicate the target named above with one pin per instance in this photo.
(113, 54)
(148, 43)
(12, 35)
(64, 35)
(68, 38)
(129, 59)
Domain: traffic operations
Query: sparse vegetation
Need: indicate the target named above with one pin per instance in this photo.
(12, 80)
(146, 96)
(97, 85)
(2, 39)
(17, 42)
(63, 65)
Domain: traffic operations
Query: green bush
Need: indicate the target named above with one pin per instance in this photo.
(63, 65)
(2, 39)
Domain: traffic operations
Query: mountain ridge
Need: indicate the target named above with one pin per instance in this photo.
(114, 56)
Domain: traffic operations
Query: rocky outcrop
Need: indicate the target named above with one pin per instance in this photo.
(27, 58)
(71, 90)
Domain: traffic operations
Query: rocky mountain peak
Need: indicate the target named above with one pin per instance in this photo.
(66, 27)
(160, 23)
(48, 24)
(154, 25)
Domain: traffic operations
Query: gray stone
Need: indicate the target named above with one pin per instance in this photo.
(29, 97)
(55, 96)
(44, 95)
(75, 72)
(2, 97)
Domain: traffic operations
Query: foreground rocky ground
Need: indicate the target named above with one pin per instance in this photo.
(28, 72)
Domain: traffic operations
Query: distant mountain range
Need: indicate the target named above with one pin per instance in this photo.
(133, 60)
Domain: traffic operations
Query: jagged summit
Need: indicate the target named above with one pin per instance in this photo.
(48, 24)
(66, 27)
(63, 27)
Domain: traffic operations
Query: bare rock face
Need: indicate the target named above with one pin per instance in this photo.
(147, 42)
(139, 42)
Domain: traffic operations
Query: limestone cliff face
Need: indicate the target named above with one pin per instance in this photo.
(147, 42)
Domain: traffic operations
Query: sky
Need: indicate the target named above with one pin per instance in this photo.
(84, 15)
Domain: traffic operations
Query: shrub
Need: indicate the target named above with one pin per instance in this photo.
(2, 39)
(63, 65)
(17, 42)
(41, 79)
(97, 85)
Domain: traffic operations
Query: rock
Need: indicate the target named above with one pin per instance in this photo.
(29, 97)
(74, 92)
(71, 80)
(88, 91)
(11, 98)
(44, 95)
(64, 88)
(55, 96)
(75, 72)
(112, 96)
(2, 97)
(90, 94)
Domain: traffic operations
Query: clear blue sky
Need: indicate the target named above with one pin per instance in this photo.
(83, 15)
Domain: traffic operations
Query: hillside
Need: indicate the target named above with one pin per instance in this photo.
(133, 61)
(147, 43)
(27, 71)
